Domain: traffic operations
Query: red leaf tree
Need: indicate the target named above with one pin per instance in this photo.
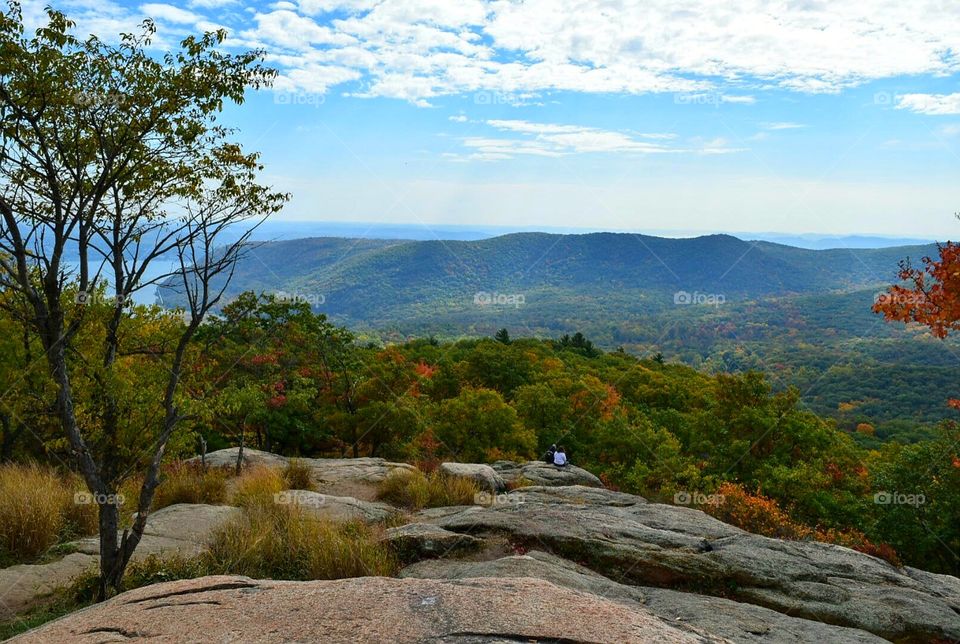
(931, 297)
(932, 294)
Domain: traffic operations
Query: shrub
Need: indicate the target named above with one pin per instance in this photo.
(33, 502)
(257, 486)
(450, 490)
(761, 515)
(297, 475)
(282, 542)
(416, 490)
(189, 483)
(755, 513)
(404, 489)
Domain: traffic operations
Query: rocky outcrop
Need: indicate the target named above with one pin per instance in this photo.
(483, 475)
(228, 458)
(560, 563)
(416, 541)
(332, 470)
(631, 540)
(365, 470)
(368, 609)
(719, 617)
(541, 473)
(337, 508)
(182, 529)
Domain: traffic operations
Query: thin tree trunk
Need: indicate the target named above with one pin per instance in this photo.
(240, 455)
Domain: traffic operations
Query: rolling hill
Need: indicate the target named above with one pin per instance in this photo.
(716, 302)
(364, 281)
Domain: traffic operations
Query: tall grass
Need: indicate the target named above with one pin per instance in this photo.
(519, 483)
(38, 510)
(266, 542)
(297, 475)
(283, 542)
(190, 483)
(32, 503)
(416, 490)
(257, 487)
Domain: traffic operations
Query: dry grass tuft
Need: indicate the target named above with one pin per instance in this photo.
(189, 483)
(38, 509)
(257, 486)
(283, 542)
(416, 490)
(297, 475)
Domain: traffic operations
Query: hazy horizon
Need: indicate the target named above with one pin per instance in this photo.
(297, 228)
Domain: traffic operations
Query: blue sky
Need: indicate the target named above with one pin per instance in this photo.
(799, 117)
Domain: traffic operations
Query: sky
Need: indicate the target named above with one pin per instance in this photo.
(709, 116)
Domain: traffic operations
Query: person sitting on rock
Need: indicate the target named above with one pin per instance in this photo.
(560, 457)
(548, 457)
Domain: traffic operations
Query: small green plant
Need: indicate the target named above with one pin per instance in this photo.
(297, 475)
(416, 490)
(59, 605)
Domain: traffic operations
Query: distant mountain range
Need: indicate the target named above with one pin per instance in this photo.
(281, 230)
(376, 282)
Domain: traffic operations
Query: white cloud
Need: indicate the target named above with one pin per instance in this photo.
(459, 118)
(557, 140)
(316, 79)
(169, 13)
(288, 29)
(782, 125)
(728, 51)
(935, 104)
(824, 205)
(314, 7)
(743, 99)
(210, 4)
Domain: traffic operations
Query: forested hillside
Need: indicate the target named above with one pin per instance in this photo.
(717, 303)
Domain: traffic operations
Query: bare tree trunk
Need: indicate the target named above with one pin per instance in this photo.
(111, 570)
(240, 454)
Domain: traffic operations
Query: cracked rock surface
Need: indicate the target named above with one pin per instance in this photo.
(628, 539)
(366, 609)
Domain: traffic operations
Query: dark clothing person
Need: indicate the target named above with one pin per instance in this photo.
(548, 457)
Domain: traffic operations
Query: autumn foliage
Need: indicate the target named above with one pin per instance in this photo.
(932, 294)
(758, 514)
